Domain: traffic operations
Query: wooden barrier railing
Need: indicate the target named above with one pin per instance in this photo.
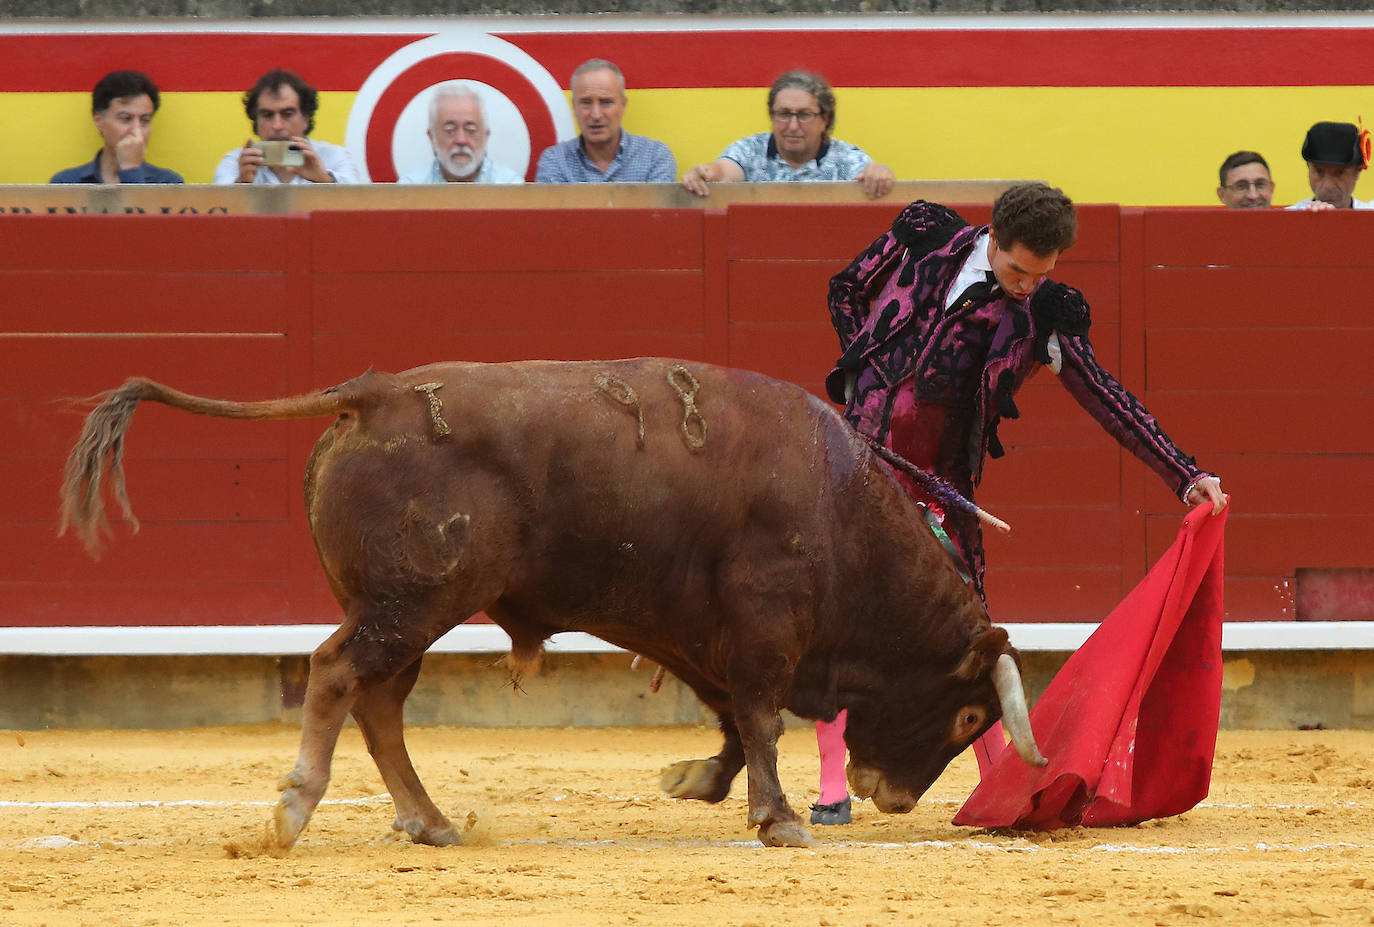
(1245, 333)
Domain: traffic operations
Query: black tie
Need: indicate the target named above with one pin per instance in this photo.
(976, 293)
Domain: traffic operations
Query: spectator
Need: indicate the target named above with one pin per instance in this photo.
(603, 152)
(282, 108)
(1245, 182)
(458, 132)
(122, 107)
(800, 148)
(1336, 153)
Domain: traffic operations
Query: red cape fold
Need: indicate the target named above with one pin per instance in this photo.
(1129, 725)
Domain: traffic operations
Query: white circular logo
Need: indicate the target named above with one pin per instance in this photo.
(525, 105)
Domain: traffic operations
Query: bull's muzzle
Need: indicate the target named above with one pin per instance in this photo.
(867, 782)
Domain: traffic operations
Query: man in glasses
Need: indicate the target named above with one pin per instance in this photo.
(1336, 154)
(1245, 182)
(800, 147)
(458, 134)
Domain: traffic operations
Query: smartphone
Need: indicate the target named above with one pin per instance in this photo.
(280, 153)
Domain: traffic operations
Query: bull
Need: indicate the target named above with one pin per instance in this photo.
(731, 527)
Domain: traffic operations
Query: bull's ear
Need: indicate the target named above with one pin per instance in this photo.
(987, 645)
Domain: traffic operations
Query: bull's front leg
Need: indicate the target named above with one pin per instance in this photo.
(709, 779)
(760, 726)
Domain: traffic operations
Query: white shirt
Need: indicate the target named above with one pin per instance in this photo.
(1358, 204)
(335, 159)
(489, 172)
(975, 269)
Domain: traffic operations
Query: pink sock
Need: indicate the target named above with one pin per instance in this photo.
(830, 740)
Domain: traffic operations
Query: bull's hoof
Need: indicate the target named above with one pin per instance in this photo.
(288, 820)
(697, 779)
(785, 834)
(442, 834)
(291, 814)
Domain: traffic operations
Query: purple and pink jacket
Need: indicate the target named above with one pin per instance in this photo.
(955, 371)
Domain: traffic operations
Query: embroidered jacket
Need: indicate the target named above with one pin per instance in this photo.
(888, 308)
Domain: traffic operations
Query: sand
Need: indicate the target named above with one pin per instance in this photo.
(568, 827)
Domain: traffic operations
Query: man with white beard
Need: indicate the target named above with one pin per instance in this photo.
(458, 133)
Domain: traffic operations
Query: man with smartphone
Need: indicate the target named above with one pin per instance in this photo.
(282, 108)
(123, 104)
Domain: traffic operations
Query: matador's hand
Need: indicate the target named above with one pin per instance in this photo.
(1208, 489)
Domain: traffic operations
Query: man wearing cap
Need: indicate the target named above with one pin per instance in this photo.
(1336, 153)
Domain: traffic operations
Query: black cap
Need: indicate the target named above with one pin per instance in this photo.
(1333, 143)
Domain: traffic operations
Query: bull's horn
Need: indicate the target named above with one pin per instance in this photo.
(1015, 715)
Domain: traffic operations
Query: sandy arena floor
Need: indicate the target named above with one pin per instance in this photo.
(148, 828)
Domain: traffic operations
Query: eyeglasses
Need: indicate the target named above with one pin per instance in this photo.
(782, 117)
(1245, 186)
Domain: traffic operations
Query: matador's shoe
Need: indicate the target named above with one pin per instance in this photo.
(837, 813)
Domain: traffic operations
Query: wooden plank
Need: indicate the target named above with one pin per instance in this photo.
(716, 305)
(1048, 476)
(343, 356)
(1060, 537)
(841, 231)
(781, 291)
(44, 300)
(1248, 358)
(226, 366)
(508, 240)
(1051, 593)
(1266, 421)
(161, 490)
(1100, 282)
(1256, 237)
(1279, 544)
(1258, 598)
(535, 299)
(1311, 485)
(203, 551)
(799, 352)
(143, 243)
(792, 232)
(51, 428)
(157, 602)
(1228, 298)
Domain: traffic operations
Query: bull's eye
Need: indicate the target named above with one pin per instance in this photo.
(967, 721)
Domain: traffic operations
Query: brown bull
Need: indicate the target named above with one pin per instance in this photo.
(729, 526)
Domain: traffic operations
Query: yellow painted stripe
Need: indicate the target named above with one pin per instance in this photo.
(1131, 145)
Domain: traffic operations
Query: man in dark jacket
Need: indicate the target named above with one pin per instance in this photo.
(123, 104)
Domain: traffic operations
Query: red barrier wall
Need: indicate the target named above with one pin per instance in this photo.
(1245, 334)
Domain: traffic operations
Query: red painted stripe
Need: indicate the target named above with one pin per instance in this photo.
(196, 61)
(1246, 57)
(976, 58)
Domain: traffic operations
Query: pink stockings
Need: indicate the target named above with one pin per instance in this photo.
(830, 740)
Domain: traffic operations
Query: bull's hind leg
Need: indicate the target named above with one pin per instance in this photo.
(379, 711)
(329, 695)
(356, 658)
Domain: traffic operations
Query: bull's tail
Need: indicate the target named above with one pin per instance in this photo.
(101, 446)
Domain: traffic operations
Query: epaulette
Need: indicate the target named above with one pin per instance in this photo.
(1061, 308)
(923, 227)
